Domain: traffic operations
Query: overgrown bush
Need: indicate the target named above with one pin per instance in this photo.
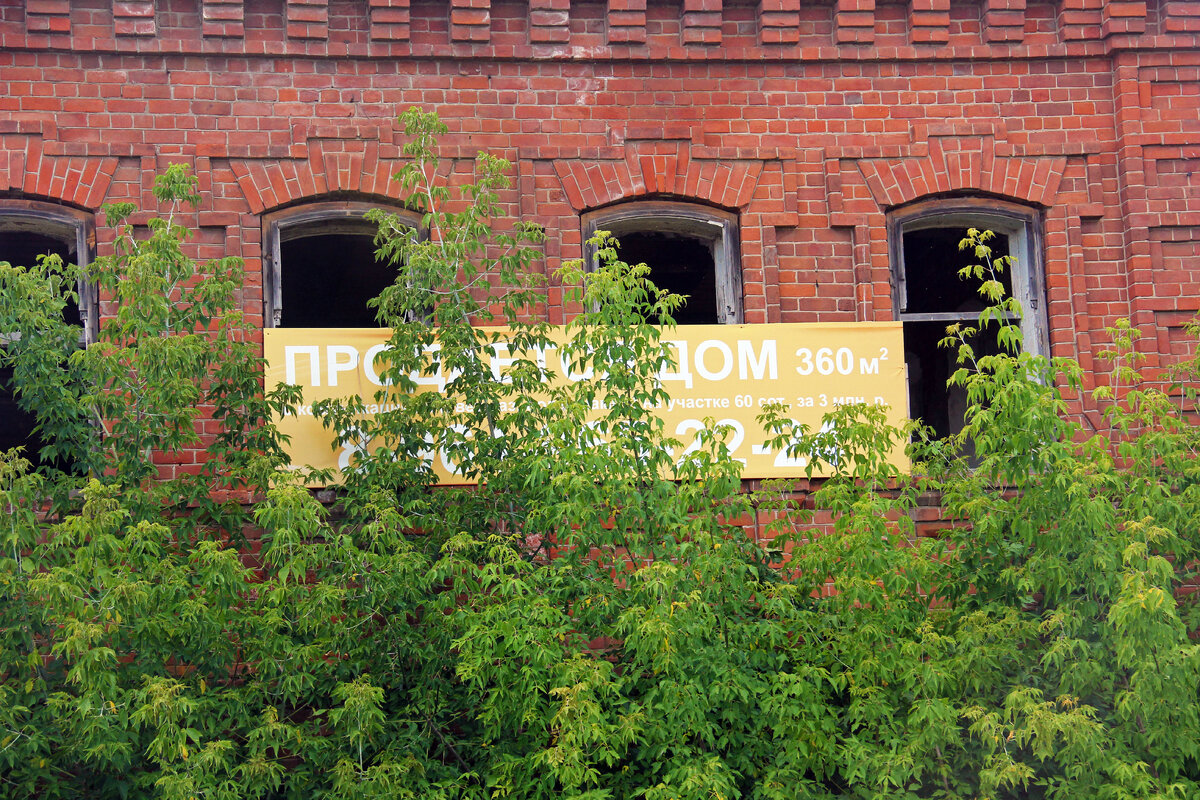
(577, 623)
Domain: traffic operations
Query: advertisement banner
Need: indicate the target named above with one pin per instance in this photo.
(726, 373)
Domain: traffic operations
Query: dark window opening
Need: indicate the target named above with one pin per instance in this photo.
(21, 244)
(22, 249)
(932, 262)
(933, 288)
(931, 296)
(17, 425)
(328, 279)
(692, 250)
(320, 269)
(681, 265)
(930, 366)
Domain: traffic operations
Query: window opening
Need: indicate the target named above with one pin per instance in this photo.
(321, 269)
(691, 250)
(329, 277)
(930, 296)
(17, 424)
(681, 265)
(29, 229)
(932, 261)
(22, 249)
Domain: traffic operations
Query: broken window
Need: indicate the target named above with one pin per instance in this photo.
(320, 268)
(30, 229)
(930, 295)
(691, 250)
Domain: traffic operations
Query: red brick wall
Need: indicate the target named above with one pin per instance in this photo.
(810, 119)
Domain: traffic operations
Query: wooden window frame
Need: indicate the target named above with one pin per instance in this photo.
(1022, 225)
(716, 227)
(321, 217)
(69, 225)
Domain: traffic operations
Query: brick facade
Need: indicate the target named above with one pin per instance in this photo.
(811, 121)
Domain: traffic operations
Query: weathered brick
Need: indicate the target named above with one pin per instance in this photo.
(812, 122)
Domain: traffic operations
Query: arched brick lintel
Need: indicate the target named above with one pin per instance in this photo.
(588, 185)
(78, 180)
(896, 182)
(273, 184)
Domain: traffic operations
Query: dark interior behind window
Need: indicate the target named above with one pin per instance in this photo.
(932, 262)
(328, 279)
(930, 295)
(691, 249)
(680, 264)
(319, 265)
(22, 248)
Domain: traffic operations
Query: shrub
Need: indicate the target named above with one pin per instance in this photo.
(589, 618)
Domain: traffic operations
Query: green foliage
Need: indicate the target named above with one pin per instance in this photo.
(590, 618)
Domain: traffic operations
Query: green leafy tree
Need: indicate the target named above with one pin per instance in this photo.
(589, 618)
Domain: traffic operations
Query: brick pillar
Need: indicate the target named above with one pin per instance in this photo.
(48, 16)
(134, 18)
(470, 20)
(308, 19)
(1004, 20)
(779, 22)
(223, 18)
(930, 21)
(855, 21)
(701, 21)
(626, 21)
(390, 21)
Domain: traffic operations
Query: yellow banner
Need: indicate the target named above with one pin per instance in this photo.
(724, 372)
